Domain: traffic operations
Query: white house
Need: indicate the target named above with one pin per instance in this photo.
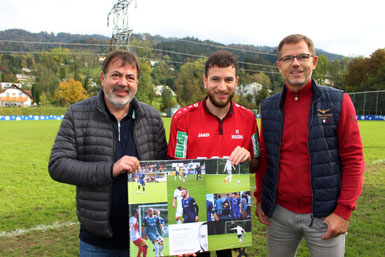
(15, 96)
(26, 80)
(249, 89)
(159, 89)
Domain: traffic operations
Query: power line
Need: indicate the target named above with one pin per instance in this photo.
(142, 47)
(108, 45)
(143, 58)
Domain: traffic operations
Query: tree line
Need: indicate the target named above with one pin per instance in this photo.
(66, 75)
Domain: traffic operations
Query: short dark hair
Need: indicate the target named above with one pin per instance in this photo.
(296, 38)
(134, 211)
(126, 57)
(221, 59)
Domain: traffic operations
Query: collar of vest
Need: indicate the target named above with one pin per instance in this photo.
(316, 92)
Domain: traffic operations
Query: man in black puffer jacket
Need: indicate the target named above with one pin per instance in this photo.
(99, 142)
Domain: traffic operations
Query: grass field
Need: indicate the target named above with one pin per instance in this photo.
(155, 193)
(229, 241)
(30, 201)
(216, 184)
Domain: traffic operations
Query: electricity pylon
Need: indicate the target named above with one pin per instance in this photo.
(121, 32)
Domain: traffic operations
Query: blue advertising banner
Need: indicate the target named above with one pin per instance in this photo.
(370, 117)
(60, 117)
(32, 117)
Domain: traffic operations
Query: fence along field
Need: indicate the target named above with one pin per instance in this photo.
(37, 214)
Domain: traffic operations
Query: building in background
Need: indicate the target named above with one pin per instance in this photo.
(14, 96)
(249, 89)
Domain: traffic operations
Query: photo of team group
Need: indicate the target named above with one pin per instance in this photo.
(171, 201)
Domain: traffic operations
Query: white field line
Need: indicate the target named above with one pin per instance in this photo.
(19, 232)
(377, 161)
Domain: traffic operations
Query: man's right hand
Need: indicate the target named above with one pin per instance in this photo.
(125, 164)
(261, 215)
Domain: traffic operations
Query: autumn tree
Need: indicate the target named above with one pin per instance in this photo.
(70, 91)
(366, 74)
(357, 75)
(376, 73)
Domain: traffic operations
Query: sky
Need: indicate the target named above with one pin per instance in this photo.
(351, 28)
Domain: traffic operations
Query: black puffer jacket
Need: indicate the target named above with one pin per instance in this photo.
(83, 155)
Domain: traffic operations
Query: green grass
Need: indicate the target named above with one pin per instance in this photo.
(29, 197)
(373, 139)
(155, 193)
(228, 241)
(216, 184)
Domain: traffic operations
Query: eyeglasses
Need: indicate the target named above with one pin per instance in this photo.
(300, 58)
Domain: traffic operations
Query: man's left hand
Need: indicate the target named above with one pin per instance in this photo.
(239, 155)
(336, 226)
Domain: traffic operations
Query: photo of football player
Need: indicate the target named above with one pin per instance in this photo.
(141, 181)
(135, 236)
(150, 226)
(240, 232)
(177, 203)
(229, 169)
(190, 207)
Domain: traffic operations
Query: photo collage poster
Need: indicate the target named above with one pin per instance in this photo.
(189, 206)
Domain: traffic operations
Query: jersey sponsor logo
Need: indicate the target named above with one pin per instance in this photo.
(204, 135)
(254, 140)
(237, 135)
(181, 144)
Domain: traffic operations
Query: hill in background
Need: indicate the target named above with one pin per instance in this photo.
(100, 44)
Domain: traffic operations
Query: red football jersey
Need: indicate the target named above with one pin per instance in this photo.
(196, 133)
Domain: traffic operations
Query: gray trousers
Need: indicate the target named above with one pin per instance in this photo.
(286, 230)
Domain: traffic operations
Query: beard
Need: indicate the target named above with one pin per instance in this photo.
(220, 104)
(116, 101)
(299, 82)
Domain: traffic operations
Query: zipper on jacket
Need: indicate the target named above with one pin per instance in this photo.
(308, 148)
(119, 131)
(279, 154)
